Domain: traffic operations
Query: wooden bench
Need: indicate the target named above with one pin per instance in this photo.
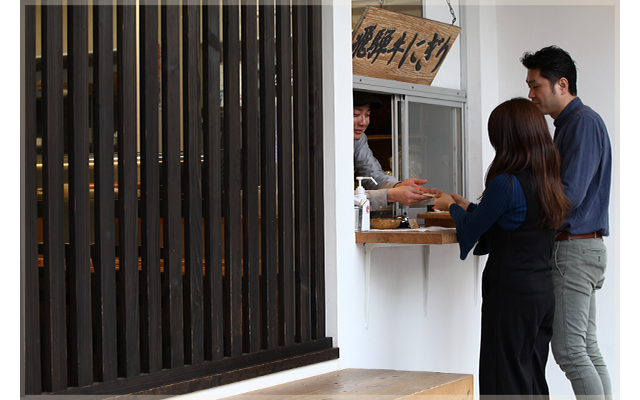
(370, 384)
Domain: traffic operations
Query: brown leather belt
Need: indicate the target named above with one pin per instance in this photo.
(562, 235)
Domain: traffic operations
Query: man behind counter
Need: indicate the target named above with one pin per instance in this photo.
(388, 190)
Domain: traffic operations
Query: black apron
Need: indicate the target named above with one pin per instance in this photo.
(517, 307)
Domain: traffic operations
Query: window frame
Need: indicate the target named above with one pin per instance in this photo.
(402, 93)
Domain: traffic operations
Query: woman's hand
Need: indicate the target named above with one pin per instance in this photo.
(442, 202)
(461, 201)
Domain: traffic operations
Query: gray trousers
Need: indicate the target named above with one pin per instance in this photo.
(578, 272)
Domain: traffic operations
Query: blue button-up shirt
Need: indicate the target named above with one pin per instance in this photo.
(585, 150)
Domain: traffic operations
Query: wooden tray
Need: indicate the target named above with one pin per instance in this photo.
(440, 218)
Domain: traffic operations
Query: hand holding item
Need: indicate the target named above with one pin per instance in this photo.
(414, 182)
(433, 192)
(442, 202)
(461, 201)
(407, 195)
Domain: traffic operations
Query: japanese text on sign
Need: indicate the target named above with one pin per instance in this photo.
(395, 46)
(380, 45)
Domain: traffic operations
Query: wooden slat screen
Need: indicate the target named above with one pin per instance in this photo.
(172, 333)
(316, 176)
(173, 203)
(301, 175)
(127, 274)
(192, 200)
(104, 259)
(53, 326)
(30, 286)
(286, 295)
(150, 284)
(231, 203)
(212, 182)
(80, 355)
(250, 179)
(268, 178)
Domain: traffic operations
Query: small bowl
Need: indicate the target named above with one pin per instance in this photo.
(385, 223)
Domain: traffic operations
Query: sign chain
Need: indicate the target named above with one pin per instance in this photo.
(452, 13)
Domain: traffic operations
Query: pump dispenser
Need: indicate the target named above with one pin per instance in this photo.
(361, 206)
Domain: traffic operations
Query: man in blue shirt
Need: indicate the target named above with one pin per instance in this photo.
(580, 255)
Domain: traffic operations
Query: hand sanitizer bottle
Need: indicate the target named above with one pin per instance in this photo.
(362, 207)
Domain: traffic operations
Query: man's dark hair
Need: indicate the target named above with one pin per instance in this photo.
(553, 63)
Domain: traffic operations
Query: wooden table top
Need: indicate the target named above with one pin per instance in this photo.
(370, 384)
(407, 236)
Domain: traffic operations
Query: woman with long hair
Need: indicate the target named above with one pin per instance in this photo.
(515, 223)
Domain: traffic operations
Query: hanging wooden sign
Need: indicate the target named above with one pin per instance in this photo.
(400, 47)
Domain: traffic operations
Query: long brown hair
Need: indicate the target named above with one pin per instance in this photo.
(518, 132)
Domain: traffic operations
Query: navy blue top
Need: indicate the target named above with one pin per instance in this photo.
(503, 202)
(585, 150)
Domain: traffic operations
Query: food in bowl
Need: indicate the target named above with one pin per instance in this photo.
(385, 223)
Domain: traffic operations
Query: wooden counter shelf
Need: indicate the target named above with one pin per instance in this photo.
(407, 236)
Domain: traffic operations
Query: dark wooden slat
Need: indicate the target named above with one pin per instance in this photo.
(228, 370)
(318, 330)
(212, 212)
(31, 310)
(127, 275)
(286, 298)
(104, 256)
(54, 348)
(250, 178)
(269, 227)
(301, 166)
(172, 333)
(150, 309)
(193, 311)
(80, 355)
(232, 181)
(251, 371)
